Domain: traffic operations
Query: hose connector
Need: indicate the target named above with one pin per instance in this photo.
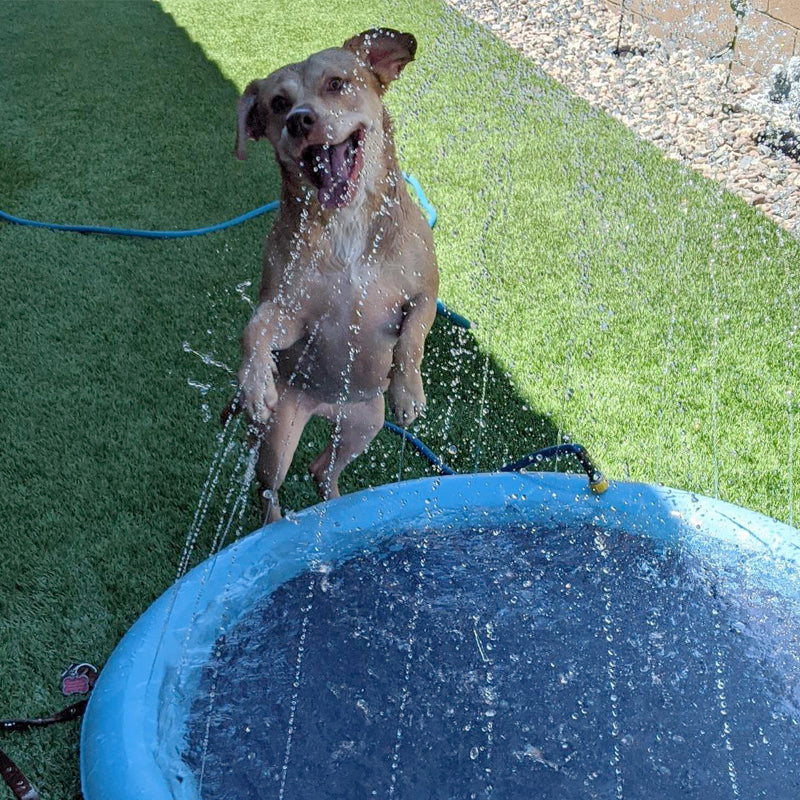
(598, 482)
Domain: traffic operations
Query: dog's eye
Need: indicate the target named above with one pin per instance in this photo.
(336, 84)
(279, 104)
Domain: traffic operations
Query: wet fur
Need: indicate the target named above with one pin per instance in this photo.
(348, 294)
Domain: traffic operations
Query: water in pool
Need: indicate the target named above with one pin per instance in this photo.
(515, 663)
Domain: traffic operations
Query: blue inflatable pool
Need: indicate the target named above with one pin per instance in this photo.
(493, 635)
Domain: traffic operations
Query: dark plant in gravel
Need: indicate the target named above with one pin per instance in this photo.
(782, 106)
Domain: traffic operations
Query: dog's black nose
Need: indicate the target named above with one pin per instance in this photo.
(300, 122)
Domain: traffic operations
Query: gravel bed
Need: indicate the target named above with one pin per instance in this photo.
(677, 99)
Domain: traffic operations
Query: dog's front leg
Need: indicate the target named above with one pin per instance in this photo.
(271, 328)
(406, 395)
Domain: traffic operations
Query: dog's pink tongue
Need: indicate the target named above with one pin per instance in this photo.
(336, 176)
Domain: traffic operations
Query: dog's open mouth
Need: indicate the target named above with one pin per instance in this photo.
(334, 169)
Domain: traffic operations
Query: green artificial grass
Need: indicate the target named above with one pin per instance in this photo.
(622, 302)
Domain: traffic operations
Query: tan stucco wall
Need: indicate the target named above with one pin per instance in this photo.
(769, 33)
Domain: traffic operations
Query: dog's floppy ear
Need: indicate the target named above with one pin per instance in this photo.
(384, 50)
(251, 119)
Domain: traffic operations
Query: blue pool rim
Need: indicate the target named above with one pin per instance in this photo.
(130, 739)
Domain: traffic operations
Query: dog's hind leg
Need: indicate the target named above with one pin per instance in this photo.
(355, 425)
(278, 445)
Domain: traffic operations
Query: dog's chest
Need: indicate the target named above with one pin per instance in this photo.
(347, 240)
(358, 288)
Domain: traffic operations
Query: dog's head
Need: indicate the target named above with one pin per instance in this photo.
(324, 116)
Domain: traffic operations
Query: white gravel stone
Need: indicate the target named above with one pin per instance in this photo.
(678, 100)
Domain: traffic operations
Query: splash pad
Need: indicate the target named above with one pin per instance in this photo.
(471, 636)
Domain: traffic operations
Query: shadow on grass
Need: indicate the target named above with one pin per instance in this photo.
(113, 116)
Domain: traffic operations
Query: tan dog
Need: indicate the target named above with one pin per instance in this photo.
(349, 283)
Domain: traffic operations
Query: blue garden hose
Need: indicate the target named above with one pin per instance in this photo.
(460, 322)
(429, 210)
(420, 446)
(220, 226)
(427, 207)
(598, 482)
(426, 204)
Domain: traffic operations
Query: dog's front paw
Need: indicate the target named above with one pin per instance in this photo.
(259, 396)
(406, 400)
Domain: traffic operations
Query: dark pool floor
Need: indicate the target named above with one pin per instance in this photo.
(514, 664)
